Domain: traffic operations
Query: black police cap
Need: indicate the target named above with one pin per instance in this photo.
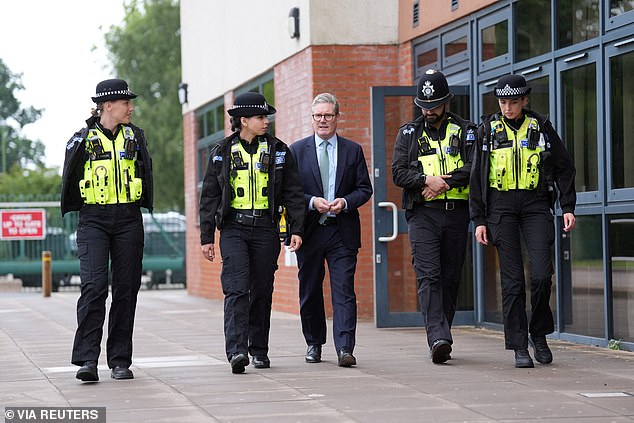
(250, 104)
(511, 86)
(432, 90)
(112, 89)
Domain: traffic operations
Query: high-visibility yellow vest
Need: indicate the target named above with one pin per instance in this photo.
(109, 173)
(249, 178)
(515, 155)
(441, 157)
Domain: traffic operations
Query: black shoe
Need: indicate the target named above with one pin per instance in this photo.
(313, 354)
(345, 358)
(88, 372)
(121, 372)
(440, 351)
(238, 363)
(261, 362)
(542, 353)
(523, 358)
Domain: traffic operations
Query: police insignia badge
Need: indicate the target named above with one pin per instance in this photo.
(71, 142)
(428, 89)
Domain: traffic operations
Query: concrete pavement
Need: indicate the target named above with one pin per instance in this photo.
(181, 373)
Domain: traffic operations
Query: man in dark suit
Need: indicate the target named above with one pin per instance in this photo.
(336, 183)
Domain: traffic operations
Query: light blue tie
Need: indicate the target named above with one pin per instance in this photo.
(324, 170)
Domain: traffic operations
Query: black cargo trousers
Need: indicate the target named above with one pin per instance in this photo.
(509, 214)
(115, 232)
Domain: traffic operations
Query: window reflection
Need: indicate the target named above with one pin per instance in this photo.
(622, 124)
(621, 241)
(532, 33)
(456, 46)
(583, 286)
(619, 7)
(579, 103)
(495, 40)
(578, 21)
(427, 59)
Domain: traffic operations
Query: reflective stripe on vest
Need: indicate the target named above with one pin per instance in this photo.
(515, 155)
(248, 183)
(109, 172)
(439, 160)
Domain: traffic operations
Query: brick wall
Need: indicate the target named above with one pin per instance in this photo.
(348, 72)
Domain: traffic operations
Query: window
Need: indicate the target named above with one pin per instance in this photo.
(455, 46)
(211, 129)
(426, 56)
(619, 7)
(583, 293)
(621, 238)
(494, 40)
(622, 124)
(579, 111)
(532, 30)
(578, 21)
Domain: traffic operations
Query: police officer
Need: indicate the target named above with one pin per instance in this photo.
(432, 162)
(250, 178)
(518, 161)
(108, 178)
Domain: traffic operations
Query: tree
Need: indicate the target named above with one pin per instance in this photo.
(145, 51)
(15, 149)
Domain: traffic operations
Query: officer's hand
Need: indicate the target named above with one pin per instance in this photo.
(321, 205)
(208, 252)
(436, 184)
(569, 222)
(296, 242)
(337, 205)
(481, 235)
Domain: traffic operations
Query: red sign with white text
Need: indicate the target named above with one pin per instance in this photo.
(23, 224)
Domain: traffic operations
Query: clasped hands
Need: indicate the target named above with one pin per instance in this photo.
(434, 186)
(324, 206)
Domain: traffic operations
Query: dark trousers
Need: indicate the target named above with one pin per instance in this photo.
(510, 213)
(249, 261)
(116, 232)
(438, 239)
(325, 244)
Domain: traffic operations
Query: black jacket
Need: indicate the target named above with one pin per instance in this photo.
(556, 170)
(215, 197)
(76, 157)
(405, 170)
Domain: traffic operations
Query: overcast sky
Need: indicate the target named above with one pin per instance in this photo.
(52, 44)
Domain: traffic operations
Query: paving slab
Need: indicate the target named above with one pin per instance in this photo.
(182, 374)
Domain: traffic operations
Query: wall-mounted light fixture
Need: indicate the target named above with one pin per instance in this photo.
(182, 93)
(293, 22)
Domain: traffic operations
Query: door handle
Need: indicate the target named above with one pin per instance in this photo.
(394, 221)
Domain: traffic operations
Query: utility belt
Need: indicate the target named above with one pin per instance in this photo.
(446, 205)
(259, 217)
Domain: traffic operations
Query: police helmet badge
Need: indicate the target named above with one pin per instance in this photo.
(428, 89)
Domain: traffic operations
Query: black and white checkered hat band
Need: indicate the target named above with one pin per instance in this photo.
(507, 91)
(264, 106)
(116, 92)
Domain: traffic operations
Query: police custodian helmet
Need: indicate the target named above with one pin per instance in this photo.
(250, 104)
(511, 86)
(432, 90)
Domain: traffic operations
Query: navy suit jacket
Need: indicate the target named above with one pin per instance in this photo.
(352, 183)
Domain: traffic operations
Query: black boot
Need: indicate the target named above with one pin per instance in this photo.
(542, 353)
(523, 358)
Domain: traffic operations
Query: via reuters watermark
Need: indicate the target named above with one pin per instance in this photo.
(54, 414)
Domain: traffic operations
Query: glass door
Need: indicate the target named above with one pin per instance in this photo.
(395, 282)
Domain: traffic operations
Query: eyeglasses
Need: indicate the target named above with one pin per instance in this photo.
(327, 117)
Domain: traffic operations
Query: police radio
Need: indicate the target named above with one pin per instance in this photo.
(265, 161)
(129, 144)
(454, 145)
(533, 136)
